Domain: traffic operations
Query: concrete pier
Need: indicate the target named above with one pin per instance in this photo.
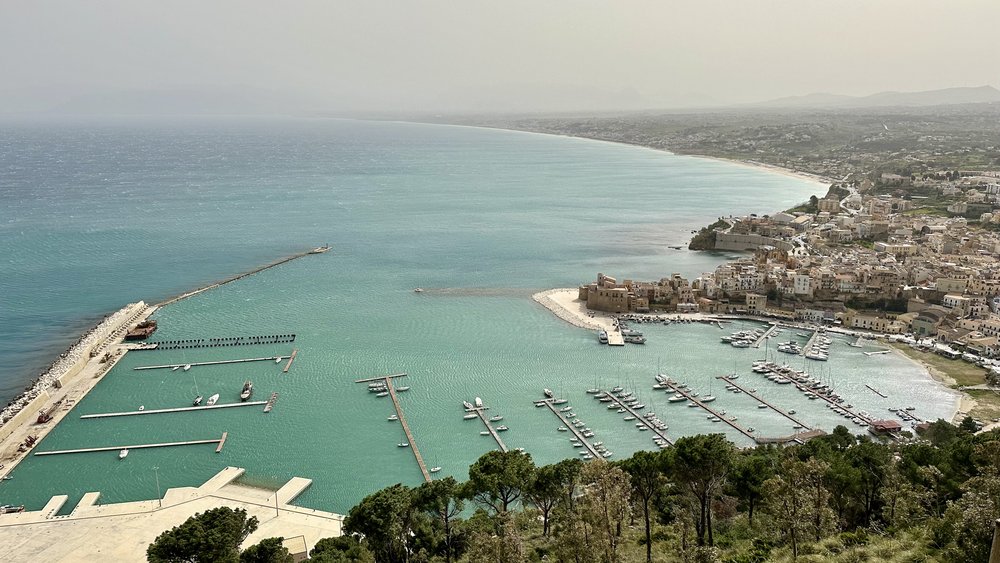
(763, 401)
(402, 418)
(710, 410)
(809, 344)
(569, 425)
(178, 409)
(218, 441)
(638, 417)
(480, 411)
(215, 363)
(767, 334)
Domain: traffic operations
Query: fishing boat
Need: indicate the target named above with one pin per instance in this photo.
(197, 401)
(123, 454)
(212, 400)
(247, 390)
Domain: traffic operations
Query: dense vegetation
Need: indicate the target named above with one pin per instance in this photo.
(836, 498)
(705, 238)
(215, 535)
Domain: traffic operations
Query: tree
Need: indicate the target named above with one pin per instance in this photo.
(870, 460)
(503, 546)
(749, 473)
(214, 535)
(269, 550)
(342, 549)
(701, 465)
(442, 499)
(497, 479)
(645, 470)
(968, 425)
(605, 504)
(788, 501)
(383, 519)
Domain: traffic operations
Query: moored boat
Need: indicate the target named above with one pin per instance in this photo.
(122, 454)
(247, 390)
(197, 401)
(212, 400)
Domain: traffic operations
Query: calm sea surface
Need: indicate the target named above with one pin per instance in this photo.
(97, 214)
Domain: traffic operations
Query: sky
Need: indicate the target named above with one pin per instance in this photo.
(399, 56)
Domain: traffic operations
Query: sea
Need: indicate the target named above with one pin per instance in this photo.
(97, 213)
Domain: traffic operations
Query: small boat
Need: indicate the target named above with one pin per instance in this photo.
(212, 400)
(405, 444)
(123, 454)
(175, 368)
(278, 360)
(418, 290)
(501, 428)
(142, 407)
(469, 416)
(560, 401)
(593, 391)
(435, 469)
(187, 367)
(467, 405)
(403, 388)
(616, 389)
(247, 390)
(565, 409)
(479, 403)
(393, 418)
(197, 401)
(496, 418)
(382, 394)
(548, 393)
(791, 411)
(629, 417)
(484, 432)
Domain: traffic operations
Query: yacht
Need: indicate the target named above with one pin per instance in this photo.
(560, 401)
(212, 400)
(548, 393)
(678, 398)
(123, 454)
(479, 403)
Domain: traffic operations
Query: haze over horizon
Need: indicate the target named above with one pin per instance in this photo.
(250, 56)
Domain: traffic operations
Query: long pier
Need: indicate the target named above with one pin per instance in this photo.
(645, 421)
(805, 389)
(243, 275)
(295, 352)
(809, 343)
(178, 409)
(493, 431)
(217, 342)
(220, 441)
(569, 425)
(763, 401)
(402, 419)
(766, 335)
(710, 410)
(215, 363)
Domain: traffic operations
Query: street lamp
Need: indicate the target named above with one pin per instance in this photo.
(156, 474)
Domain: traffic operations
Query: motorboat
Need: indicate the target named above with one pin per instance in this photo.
(602, 336)
(123, 454)
(496, 418)
(565, 409)
(435, 469)
(393, 418)
(187, 367)
(403, 388)
(469, 416)
(142, 407)
(212, 400)
(479, 403)
(501, 428)
(467, 405)
(197, 401)
(247, 390)
(403, 444)
(382, 394)
(484, 432)
(593, 391)
(563, 429)
(278, 360)
(175, 368)
(548, 393)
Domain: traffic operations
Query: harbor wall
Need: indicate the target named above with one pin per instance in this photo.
(738, 242)
(27, 415)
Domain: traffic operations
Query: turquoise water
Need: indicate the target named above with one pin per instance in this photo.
(101, 214)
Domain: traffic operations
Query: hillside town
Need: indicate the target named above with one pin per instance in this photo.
(869, 260)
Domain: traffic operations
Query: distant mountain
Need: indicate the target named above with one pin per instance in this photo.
(947, 96)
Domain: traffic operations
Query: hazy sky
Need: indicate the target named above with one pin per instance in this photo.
(499, 55)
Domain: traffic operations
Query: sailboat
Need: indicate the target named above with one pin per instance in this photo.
(403, 443)
(212, 400)
(198, 397)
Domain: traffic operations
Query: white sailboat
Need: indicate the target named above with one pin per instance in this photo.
(212, 400)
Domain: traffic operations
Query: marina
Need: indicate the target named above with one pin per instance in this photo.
(215, 363)
(410, 442)
(178, 409)
(761, 400)
(220, 441)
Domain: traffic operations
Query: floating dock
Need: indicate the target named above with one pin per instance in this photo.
(763, 401)
(493, 432)
(220, 441)
(876, 391)
(217, 342)
(216, 363)
(402, 419)
(178, 409)
(710, 410)
(638, 416)
(569, 425)
(291, 359)
(615, 338)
